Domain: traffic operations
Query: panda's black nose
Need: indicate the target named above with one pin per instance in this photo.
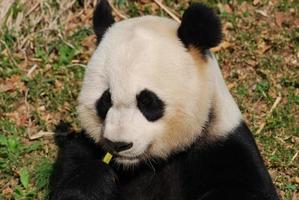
(117, 146)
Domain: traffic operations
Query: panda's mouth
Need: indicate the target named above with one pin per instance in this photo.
(132, 159)
(128, 157)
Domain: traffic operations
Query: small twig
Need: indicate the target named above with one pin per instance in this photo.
(32, 35)
(31, 70)
(167, 10)
(67, 7)
(63, 40)
(75, 65)
(294, 157)
(27, 113)
(11, 58)
(278, 99)
(41, 134)
(117, 11)
(32, 9)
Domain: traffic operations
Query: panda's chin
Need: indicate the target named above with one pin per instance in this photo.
(127, 161)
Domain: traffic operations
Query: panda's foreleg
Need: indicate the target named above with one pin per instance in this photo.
(78, 174)
(87, 181)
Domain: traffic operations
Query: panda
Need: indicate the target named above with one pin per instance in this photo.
(154, 97)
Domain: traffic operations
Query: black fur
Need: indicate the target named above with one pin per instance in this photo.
(151, 106)
(228, 169)
(102, 19)
(103, 104)
(78, 172)
(200, 27)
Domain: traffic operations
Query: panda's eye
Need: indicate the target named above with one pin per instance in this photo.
(150, 105)
(103, 104)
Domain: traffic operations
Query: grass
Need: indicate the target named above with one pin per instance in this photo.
(44, 46)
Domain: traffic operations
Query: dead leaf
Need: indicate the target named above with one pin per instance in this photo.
(89, 42)
(245, 7)
(255, 2)
(251, 63)
(227, 8)
(18, 118)
(41, 108)
(58, 85)
(282, 18)
(263, 47)
(221, 46)
(20, 115)
(17, 83)
(144, 1)
(6, 87)
(295, 195)
(224, 8)
(227, 26)
(7, 191)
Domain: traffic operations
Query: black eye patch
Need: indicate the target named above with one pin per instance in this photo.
(150, 105)
(103, 104)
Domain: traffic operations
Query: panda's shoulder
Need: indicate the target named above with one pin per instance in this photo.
(238, 142)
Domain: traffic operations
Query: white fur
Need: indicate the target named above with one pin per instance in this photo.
(228, 115)
(145, 53)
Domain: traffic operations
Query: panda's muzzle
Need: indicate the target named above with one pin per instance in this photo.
(117, 146)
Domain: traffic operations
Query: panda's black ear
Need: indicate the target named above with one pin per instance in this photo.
(102, 19)
(200, 27)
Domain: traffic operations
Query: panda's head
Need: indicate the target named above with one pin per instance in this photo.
(147, 91)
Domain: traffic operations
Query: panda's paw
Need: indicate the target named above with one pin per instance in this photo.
(63, 133)
(63, 128)
(91, 179)
(79, 173)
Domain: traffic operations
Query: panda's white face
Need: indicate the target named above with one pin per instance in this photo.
(144, 91)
